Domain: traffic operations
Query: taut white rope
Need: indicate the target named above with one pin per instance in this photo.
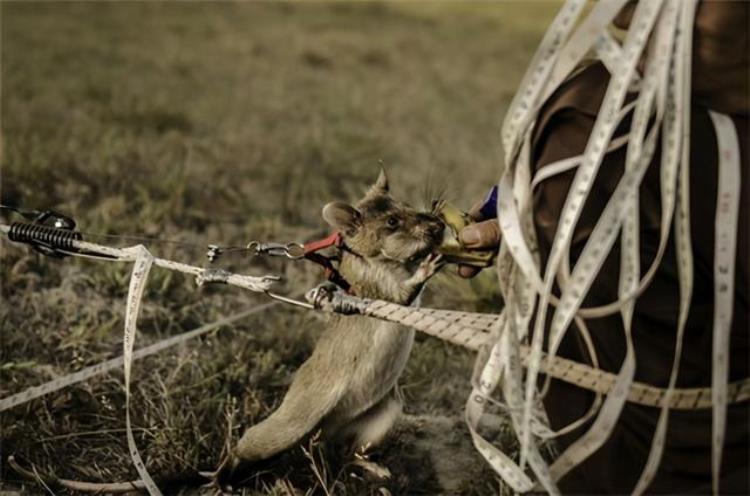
(478, 331)
(258, 284)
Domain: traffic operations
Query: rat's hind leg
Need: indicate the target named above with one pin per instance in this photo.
(370, 428)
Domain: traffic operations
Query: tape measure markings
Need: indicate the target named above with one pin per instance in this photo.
(671, 144)
(727, 216)
(644, 18)
(141, 267)
(534, 78)
(637, 160)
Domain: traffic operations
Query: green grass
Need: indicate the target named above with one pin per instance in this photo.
(222, 123)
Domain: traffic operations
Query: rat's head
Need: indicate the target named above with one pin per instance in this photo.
(379, 227)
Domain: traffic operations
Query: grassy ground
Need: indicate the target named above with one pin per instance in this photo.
(222, 123)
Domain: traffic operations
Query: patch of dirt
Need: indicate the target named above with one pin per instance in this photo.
(433, 454)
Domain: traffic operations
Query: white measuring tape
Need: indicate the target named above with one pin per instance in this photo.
(487, 383)
(602, 238)
(86, 373)
(142, 266)
(677, 114)
(665, 86)
(727, 215)
(604, 127)
(143, 261)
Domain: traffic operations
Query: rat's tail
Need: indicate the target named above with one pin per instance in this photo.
(310, 397)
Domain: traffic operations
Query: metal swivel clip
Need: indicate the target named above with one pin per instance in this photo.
(213, 253)
(293, 251)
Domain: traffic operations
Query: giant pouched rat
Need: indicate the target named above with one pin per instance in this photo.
(347, 388)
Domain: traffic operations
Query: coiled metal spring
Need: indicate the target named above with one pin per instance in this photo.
(43, 236)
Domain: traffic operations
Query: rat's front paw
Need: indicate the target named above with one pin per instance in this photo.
(428, 268)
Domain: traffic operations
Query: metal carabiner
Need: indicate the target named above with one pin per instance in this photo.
(295, 251)
(292, 251)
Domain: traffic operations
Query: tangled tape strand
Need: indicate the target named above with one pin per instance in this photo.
(663, 102)
(143, 261)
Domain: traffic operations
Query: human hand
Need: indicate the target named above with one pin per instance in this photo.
(483, 234)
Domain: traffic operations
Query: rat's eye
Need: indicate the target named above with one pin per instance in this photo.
(392, 222)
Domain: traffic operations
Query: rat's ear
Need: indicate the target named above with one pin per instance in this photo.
(342, 217)
(381, 184)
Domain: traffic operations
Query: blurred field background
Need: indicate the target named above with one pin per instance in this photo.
(223, 123)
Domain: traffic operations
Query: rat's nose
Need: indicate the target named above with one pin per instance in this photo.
(437, 227)
(434, 226)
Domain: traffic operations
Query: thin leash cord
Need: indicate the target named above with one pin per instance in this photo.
(27, 214)
(155, 239)
(32, 215)
(150, 239)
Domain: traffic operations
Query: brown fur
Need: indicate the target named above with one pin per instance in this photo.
(348, 386)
